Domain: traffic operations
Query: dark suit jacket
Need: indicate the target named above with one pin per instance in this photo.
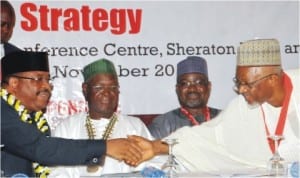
(24, 143)
(9, 48)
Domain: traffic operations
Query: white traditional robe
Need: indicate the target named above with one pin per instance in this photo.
(74, 128)
(237, 138)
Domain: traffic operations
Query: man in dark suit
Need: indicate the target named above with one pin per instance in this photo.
(26, 145)
(8, 20)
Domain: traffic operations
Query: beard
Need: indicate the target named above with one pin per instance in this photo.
(193, 104)
(193, 100)
(253, 105)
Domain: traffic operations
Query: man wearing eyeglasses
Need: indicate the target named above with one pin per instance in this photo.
(102, 121)
(239, 137)
(193, 90)
(26, 145)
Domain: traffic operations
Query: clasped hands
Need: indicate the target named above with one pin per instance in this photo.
(135, 149)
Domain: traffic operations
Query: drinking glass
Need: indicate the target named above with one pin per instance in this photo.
(170, 167)
(276, 164)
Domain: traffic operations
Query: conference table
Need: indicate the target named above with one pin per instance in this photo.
(247, 173)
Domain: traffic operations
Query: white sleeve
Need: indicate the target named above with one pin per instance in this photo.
(63, 130)
(64, 172)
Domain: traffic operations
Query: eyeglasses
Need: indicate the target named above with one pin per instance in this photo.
(35, 79)
(238, 84)
(102, 88)
(198, 83)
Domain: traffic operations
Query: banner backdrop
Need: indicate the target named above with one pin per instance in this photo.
(146, 40)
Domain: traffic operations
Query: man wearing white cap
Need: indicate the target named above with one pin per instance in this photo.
(268, 104)
(193, 90)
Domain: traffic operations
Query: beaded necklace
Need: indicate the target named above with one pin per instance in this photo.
(39, 120)
(91, 131)
(191, 118)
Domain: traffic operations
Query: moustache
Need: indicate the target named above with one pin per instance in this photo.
(193, 93)
(44, 91)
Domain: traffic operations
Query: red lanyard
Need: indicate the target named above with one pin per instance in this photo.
(192, 118)
(282, 117)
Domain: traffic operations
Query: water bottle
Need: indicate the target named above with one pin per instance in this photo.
(293, 170)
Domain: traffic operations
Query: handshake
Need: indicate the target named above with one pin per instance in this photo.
(135, 149)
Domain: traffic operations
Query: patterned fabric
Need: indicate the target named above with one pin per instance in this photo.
(101, 66)
(192, 64)
(259, 52)
(38, 119)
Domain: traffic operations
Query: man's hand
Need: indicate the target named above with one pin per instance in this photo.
(124, 149)
(149, 148)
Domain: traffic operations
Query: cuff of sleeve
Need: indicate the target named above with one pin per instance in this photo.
(96, 151)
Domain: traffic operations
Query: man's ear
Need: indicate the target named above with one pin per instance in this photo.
(209, 86)
(274, 80)
(84, 87)
(12, 83)
(177, 89)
